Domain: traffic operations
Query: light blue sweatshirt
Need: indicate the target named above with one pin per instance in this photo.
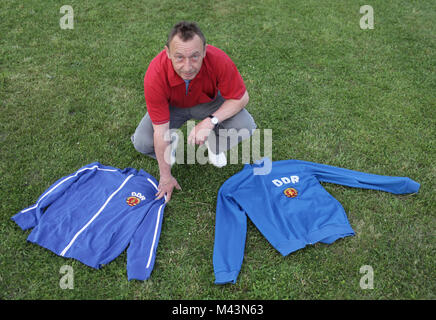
(289, 206)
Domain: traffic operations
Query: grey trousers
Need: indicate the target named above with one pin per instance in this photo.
(219, 140)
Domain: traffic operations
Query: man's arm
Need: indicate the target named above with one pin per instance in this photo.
(228, 109)
(162, 150)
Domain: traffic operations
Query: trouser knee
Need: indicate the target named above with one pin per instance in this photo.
(143, 144)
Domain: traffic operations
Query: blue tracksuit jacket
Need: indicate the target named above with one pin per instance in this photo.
(93, 214)
(288, 206)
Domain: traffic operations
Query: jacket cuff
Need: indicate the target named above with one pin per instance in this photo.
(226, 277)
(24, 220)
(137, 271)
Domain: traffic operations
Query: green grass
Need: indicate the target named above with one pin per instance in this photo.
(331, 92)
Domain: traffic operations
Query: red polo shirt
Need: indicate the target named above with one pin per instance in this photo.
(164, 87)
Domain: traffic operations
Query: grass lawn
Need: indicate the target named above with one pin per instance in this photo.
(331, 92)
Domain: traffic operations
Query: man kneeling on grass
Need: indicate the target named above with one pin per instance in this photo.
(190, 79)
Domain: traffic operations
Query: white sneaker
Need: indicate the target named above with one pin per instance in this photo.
(218, 160)
(174, 142)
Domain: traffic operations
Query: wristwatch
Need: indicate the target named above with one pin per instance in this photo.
(213, 119)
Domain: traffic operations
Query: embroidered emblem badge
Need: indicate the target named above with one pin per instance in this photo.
(133, 201)
(290, 192)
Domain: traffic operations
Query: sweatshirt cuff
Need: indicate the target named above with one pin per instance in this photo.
(413, 186)
(226, 277)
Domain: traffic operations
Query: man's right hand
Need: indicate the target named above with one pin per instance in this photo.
(166, 187)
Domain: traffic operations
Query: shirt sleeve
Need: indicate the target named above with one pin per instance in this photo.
(141, 253)
(230, 235)
(356, 179)
(29, 217)
(230, 82)
(156, 94)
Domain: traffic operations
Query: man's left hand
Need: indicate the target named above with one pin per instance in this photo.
(201, 131)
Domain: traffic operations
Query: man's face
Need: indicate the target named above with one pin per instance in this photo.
(187, 57)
